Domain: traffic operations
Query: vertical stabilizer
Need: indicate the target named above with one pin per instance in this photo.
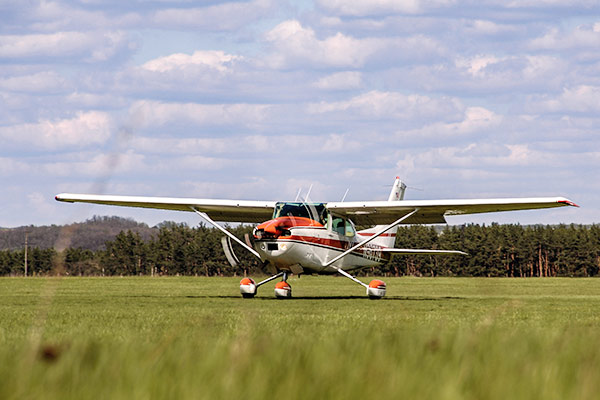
(398, 190)
(388, 239)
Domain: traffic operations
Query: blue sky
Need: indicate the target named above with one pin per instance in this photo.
(257, 99)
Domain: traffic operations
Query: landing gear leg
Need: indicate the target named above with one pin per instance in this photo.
(283, 290)
(375, 288)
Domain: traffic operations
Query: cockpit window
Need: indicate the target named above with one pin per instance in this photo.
(315, 211)
(342, 226)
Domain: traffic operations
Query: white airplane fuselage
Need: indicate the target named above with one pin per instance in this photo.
(307, 249)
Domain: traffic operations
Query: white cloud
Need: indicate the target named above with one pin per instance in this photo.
(216, 60)
(583, 4)
(478, 162)
(295, 45)
(57, 16)
(39, 82)
(511, 71)
(41, 202)
(13, 166)
(86, 46)
(487, 27)
(220, 17)
(477, 65)
(580, 99)
(85, 129)
(584, 36)
(476, 122)
(152, 114)
(340, 81)
(95, 100)
(381, 7)
(376, 105)
(98, 166)
(490, 75)
(278, 148)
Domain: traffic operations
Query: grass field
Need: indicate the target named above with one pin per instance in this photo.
(430, 338)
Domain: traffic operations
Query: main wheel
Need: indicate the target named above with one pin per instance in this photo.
(248, 288)
(283, 290)
(376, 289)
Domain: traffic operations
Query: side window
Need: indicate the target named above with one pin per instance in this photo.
(338, 225)
(349, 228)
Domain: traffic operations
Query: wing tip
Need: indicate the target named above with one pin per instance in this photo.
(568, 202)
(64, 197)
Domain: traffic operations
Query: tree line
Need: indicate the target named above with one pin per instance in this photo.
(91, 234)
(176, 249)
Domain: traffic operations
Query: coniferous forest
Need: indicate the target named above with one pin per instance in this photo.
(176, 249)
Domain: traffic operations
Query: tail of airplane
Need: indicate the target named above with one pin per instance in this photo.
(388, 239)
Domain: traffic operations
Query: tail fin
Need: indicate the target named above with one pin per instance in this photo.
(388, 239)
(397, 190)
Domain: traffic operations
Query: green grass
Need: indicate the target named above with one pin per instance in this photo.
(430, 338)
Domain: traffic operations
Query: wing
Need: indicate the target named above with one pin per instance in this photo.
(218, 210)
(435, 211)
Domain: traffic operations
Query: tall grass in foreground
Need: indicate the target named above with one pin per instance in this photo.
(195, 338)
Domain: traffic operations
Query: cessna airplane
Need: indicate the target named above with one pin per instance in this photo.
(321, 238)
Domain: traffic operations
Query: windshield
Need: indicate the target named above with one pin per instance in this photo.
(315, 211)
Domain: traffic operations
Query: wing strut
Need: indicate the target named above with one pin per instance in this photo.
(225, 231)
(375, 236)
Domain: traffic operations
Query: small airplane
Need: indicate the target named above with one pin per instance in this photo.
(321, 238)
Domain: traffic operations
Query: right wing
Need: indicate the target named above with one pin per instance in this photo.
(435, 211)
(218, 210)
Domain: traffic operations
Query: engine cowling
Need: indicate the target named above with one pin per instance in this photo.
(248, 287)
(283, 290)
(376, 289)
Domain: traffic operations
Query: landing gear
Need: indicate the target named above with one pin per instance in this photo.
(283, 290)
(248, 288)
(376, 289)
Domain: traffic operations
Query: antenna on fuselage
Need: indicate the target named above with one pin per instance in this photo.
(298, 194)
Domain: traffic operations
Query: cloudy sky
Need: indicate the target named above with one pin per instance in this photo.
(258, 99)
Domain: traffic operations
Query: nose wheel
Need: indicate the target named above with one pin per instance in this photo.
(283, 290)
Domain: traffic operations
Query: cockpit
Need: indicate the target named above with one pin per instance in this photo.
(317, 212)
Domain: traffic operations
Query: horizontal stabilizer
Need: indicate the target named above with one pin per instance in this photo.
(422, 251)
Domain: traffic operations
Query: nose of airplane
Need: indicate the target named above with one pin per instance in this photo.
(274, 227)
(281, 226)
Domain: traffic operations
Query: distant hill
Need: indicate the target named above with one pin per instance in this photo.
(90, 235)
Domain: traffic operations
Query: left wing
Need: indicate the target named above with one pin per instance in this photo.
(435, 211)
(218, 210)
